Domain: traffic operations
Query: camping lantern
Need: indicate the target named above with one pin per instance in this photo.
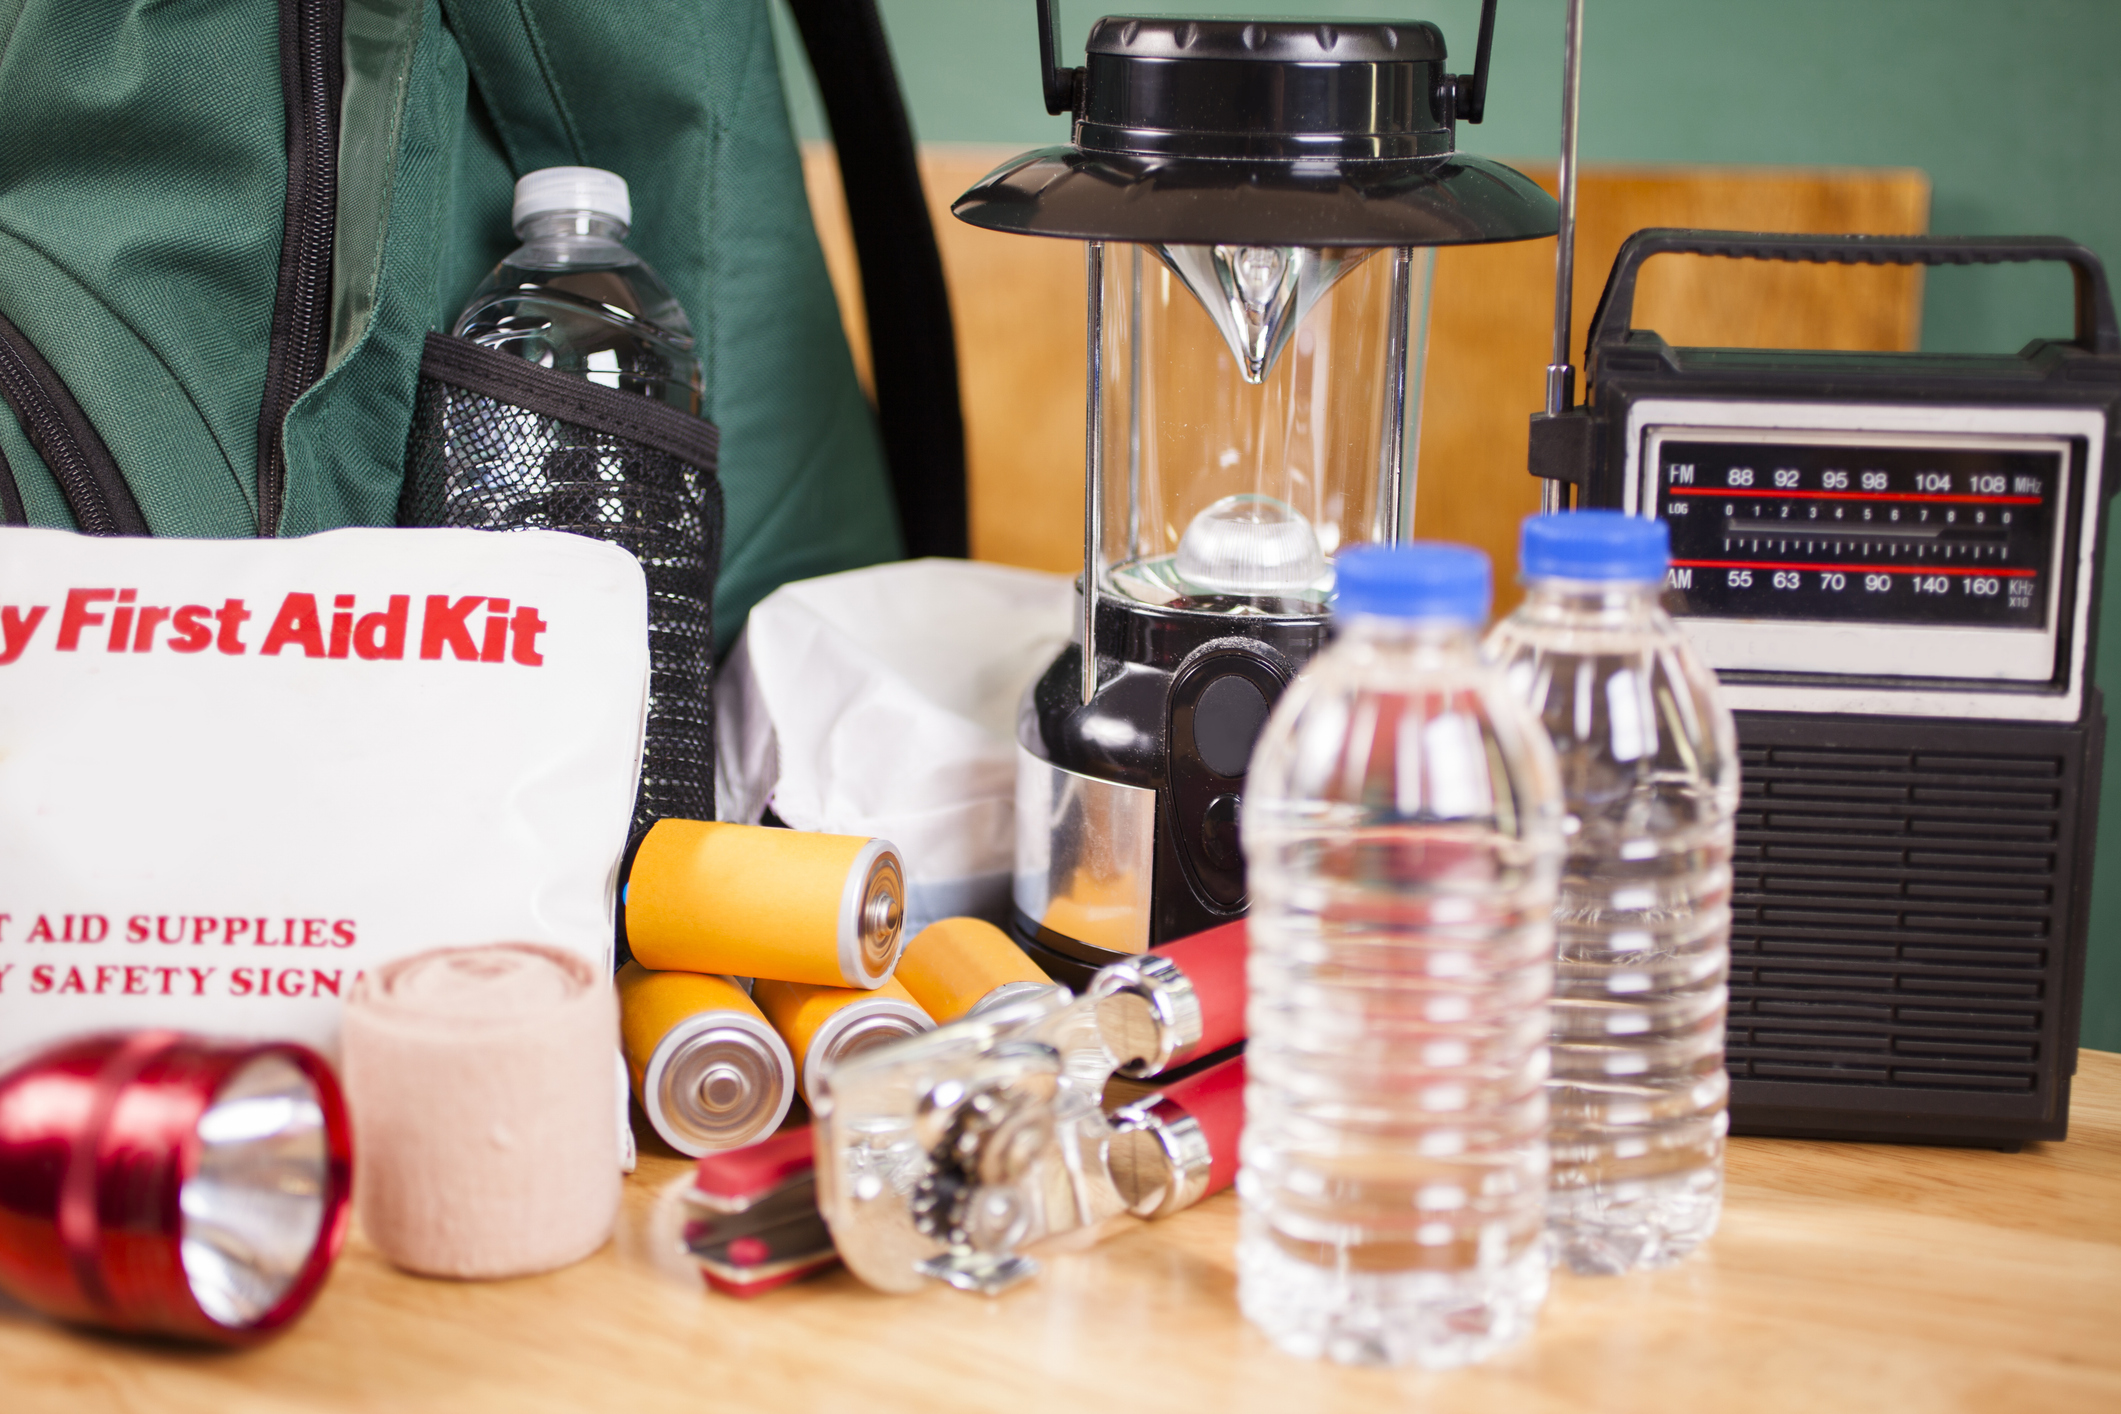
(1257, 199)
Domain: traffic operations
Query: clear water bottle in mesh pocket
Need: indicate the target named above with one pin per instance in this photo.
(567, 398)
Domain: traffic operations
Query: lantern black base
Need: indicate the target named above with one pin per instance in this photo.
(1182, 696)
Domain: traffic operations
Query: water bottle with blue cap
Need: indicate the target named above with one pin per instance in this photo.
(1649, 769)
(1402, 836)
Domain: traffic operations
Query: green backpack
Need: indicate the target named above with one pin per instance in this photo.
(227, 227)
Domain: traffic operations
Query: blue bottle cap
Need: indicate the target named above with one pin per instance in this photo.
(1425, 579)
(1594, 545)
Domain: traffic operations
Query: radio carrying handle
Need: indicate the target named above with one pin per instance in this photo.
(2097, 333)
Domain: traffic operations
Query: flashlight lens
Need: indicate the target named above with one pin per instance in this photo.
(254, 1206)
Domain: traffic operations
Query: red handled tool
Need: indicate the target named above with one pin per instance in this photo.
(1174, 1148)
(755, 1223)
(1175, 1004)
(1214, 963)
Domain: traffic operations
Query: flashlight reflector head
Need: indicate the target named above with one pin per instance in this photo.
(161, 1183)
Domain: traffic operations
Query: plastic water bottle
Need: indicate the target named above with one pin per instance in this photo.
(572, 297)
(1649, 766)
(1402, 837)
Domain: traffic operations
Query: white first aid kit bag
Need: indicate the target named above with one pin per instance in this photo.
(235, 775)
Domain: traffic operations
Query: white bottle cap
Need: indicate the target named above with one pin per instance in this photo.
(571, 189)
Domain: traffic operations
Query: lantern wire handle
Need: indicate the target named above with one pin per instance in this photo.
(1561, 374)
(1473, 103)
(1060, 81)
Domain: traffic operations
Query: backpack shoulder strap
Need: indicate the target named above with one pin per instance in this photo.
(913, 350)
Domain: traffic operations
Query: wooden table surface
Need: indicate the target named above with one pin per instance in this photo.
(1878, 1278)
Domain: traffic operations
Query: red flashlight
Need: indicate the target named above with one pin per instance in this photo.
(157, 1182)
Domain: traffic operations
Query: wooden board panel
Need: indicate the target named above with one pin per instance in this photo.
(1018, 306)
(1844, 1277)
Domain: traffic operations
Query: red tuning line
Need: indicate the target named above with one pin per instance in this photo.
(1740, 493)
(1850, 569)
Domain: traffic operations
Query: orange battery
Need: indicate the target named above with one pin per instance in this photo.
(709, 1070)
(957, 964)
(752, 901)
(825, 1025)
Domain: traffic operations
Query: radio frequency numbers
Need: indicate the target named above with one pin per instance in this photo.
(1823, 533)
(1927, 482)
(1873, 582)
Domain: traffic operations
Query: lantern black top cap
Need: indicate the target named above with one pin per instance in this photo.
(1250, 89)
(1283, 41)
(1306, 132)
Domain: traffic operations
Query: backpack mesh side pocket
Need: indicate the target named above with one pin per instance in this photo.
(498, 443)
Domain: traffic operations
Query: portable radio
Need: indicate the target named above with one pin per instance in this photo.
(1892, 563)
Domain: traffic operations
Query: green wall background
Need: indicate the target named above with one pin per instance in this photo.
(2013, 108)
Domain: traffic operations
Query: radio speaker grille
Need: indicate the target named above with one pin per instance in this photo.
(1907, 928)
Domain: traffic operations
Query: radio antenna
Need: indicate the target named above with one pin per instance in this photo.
(1561, 374)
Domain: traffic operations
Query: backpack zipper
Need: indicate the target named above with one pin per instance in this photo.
(11, 512)
(311, 75)
(88, 476)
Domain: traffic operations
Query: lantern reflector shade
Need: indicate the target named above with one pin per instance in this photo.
(1257, 294)
(1256, 132)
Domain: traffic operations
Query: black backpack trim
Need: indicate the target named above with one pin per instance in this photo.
(510, 379)
(12, 511)
(72, 449)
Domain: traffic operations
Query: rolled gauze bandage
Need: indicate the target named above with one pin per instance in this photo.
(485, 1132)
